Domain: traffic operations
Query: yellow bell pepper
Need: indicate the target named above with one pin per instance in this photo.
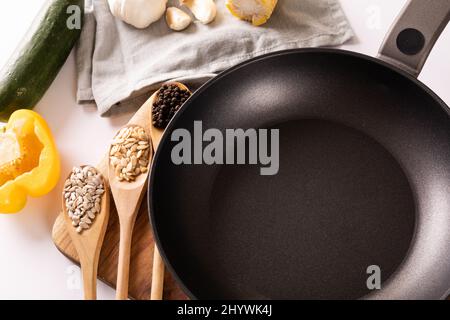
(29, 160)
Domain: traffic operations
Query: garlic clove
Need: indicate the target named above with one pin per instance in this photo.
(177, 19)
(204, 11)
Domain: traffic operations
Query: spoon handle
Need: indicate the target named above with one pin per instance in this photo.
(123, 272)
(89, 272)
(157, 276)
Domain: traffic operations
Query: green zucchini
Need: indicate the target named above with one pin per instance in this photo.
(36, 63)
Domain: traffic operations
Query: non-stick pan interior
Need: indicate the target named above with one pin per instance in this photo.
(345, 197)
(339, 204)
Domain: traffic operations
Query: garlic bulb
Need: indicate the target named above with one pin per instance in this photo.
(177, 19)
(204, 10)
(138, 13)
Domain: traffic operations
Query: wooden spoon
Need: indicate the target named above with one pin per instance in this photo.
(158, 264)
(89, 242)
(127, 197)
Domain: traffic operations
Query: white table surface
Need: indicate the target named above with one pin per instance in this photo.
(30, 265)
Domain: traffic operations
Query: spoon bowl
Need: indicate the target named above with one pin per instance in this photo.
(156, 133)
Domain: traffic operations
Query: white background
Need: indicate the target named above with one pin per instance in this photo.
(30, 266)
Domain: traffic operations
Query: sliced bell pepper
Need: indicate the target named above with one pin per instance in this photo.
(29, 160)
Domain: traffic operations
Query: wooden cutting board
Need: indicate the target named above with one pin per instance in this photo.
(142, 245)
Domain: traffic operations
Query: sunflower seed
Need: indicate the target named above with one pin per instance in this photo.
(82, 194)
(84, 225)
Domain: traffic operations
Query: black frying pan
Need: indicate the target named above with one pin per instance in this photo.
(364, 177)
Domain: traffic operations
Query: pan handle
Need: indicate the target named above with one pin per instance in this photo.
(414, 34)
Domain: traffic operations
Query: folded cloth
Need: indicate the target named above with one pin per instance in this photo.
(119, 65)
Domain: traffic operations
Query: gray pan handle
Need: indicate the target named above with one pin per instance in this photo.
(414, 34)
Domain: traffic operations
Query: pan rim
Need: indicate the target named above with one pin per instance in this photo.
(169, 128)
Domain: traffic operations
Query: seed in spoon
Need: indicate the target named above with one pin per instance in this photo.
(169, 100)
(130, 144)
(81, 193)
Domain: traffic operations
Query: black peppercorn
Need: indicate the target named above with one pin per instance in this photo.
(169, 100)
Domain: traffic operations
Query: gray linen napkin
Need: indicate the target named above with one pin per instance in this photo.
(119, 65)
